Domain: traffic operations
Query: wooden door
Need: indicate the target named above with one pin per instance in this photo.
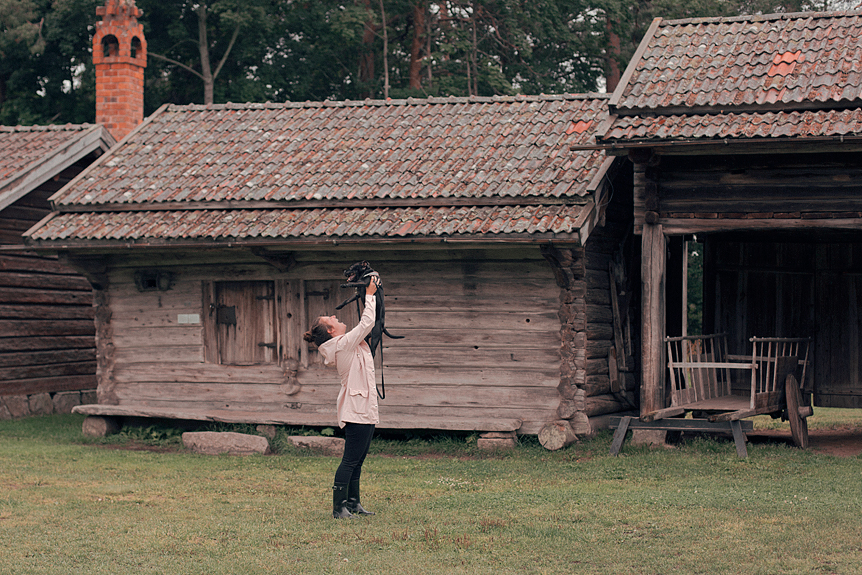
(246, 322)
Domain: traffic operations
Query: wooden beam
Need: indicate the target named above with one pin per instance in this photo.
(683, 226)
(292, 417)
(653, 275)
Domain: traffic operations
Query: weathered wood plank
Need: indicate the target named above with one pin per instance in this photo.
(653, 263)
(34, 358)
(25, 328)
(44, 281)
(516, 359)
(451, 302)
(46, 312)
(336, 261)
(32, 263)
(292, 417)
(61, 342)
(131, 337)
(39, 296)
(475, 276)
(52, 370)
(524, 321)
(48, 384)
(409, 396)
(439, 338)
(200, 372)
(158, 353)
(312, 378)
(601, 404)
(126, 300)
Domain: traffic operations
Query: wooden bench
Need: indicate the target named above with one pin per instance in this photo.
(735, 427)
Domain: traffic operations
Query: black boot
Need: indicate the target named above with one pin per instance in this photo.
(353, 504)
(339, 502)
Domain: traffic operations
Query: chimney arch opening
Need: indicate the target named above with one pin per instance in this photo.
(135, 49)
(110, 46)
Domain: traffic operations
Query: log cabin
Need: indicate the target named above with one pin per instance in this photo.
(214, 235)
(746, 134)
(47, 346)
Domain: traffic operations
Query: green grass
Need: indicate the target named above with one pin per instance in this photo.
(823, 418)
(73, 505)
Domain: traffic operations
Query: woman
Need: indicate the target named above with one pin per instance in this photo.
(357, 400)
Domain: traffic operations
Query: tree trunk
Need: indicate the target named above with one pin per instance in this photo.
(612, 74)
(385, 52)
(366, 58)
(416, 46)
(203, 47)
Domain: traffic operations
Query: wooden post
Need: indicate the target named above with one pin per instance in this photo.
(653, 275)
(674, 286)
(303, 324)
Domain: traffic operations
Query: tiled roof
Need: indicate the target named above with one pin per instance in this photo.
(752, 77)
(313, 223)
(21, 146)
(406, 150)
(782, 61)
(384, 169)
(25, 149)
(823, 123)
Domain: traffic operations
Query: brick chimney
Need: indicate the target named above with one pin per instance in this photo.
(120, 56)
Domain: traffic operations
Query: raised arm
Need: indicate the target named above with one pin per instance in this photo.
(355, 336)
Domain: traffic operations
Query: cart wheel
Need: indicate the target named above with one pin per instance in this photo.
(798, 424)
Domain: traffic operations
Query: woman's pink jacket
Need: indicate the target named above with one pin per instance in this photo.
(357, 400)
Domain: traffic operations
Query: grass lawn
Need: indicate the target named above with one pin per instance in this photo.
(69, 504)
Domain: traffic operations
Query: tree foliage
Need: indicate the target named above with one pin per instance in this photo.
(279, 50)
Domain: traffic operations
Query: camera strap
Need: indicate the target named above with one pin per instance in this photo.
(381, 391)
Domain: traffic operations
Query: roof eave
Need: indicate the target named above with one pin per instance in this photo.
(221, 243)
(751, 108)
(729, 145)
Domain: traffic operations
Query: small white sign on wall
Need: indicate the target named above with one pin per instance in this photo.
(188, 318)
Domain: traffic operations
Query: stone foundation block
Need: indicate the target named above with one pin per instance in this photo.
(89, 397)
(41, 404)
(497, 440)
(17, 405)
(64, 401)
(216, 443)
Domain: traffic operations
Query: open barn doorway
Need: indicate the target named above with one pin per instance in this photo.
(789, 285)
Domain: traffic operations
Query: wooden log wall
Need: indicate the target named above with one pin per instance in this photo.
(759, 191)
(481, 336)
(598, 320)
(46, 310)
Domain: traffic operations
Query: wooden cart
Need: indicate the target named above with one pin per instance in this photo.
(702, 377)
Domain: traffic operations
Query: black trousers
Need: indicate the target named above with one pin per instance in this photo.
(357, 440)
